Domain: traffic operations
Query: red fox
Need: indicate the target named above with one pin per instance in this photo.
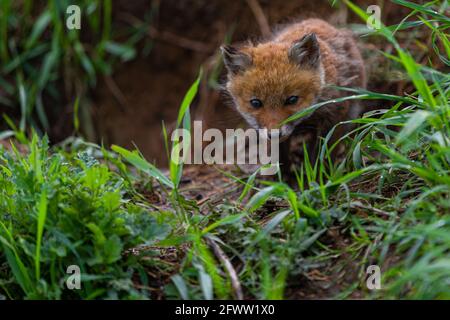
(272, 80)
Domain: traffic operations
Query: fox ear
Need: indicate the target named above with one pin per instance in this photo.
(235, 60)
(306, 51)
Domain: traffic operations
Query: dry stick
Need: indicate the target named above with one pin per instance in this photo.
(366, 255)
(230, 269)
(178, 40)
(357, 204)
(260, 17)
(168, 37)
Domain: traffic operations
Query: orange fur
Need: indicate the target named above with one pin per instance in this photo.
(272, 77)
(266, 71)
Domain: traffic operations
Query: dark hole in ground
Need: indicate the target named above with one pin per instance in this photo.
(129, 107)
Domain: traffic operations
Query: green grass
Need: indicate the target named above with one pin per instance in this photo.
(38, 53)
(386, 203)
(69, 209)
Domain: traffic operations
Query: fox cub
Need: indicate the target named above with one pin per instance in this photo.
(272, 80)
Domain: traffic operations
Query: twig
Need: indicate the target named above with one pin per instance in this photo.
(202, 201)
(357, 204)
(260, 17)
(178, 40)
(168, 37)
(230, 269)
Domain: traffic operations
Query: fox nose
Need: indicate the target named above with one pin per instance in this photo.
(286, 130)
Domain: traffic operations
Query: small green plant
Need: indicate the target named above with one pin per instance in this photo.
(60, 210)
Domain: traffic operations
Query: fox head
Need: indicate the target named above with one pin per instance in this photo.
(272, 81)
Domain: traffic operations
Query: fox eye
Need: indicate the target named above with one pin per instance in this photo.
(256, 103)
(291, 100)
